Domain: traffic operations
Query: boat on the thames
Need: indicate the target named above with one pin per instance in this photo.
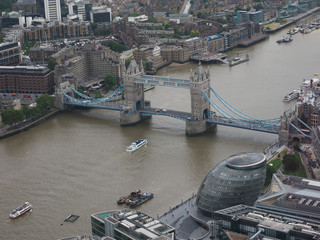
(136, 145)
(292, 95)
(285, 40)
(26, 207)
(135, 198)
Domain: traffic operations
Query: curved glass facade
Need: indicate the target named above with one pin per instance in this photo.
(236, 180)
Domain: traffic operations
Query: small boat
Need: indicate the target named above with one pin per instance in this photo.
(285, 39)
(136, 145)
(292, 95)
(293, 31)
(20, 210)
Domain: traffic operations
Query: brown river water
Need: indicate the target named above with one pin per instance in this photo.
(76, 163)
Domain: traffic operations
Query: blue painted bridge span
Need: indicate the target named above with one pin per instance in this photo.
(223, 114)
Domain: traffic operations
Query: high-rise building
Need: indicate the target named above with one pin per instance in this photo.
(101, 14)
(52, 10)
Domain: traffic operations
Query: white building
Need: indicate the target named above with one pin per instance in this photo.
(52, 10)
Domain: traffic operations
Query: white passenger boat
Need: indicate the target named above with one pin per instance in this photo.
(136, 145)
(26, 207)
(292, 95)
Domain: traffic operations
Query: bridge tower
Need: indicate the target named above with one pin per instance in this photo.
(283, 134)
(134, 95)
(200, 107)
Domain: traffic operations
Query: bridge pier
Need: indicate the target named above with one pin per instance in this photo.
(283, 135)
(129, 117)
(197, 127)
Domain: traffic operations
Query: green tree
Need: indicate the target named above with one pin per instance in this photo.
(109, 82)
(271, 169)
(117, 47)
(12, 116)
(5, 5)
(290, 162)
(27, 46)
(52, 64)
(45, 102)
(27, 112)
(94, 26)
(147, 66)
(127, 62)
(97, 93)
(36, 112)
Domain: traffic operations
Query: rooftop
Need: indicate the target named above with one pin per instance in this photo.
(298, 194)
(136, 223)
(246, 160)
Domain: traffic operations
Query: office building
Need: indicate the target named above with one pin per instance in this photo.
(265, 224)
(101, 15)
(293, 195)
(52, 10)
(237, 180)
(129, 224)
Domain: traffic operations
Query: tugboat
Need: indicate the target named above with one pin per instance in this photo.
(135, 198)
(20, 210)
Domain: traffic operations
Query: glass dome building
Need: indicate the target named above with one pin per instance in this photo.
(236, 180)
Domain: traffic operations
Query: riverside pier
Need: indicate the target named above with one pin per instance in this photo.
(209, 57)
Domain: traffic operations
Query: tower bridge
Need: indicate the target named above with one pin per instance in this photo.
(205, 112)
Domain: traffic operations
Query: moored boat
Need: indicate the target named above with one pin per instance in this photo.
(143, 198)
(26, 207)
(135, 198)
(292, 95)
(136, 145)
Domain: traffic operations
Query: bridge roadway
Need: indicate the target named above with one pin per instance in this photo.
(245, 124)
(101, 105)
(118, 106)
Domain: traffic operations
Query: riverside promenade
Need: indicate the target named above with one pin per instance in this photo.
(293, 20)
(7, 131)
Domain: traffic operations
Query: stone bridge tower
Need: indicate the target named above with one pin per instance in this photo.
(283, 135)
(134, 95)
(200, 107)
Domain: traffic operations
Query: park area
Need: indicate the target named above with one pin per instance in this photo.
(289, 164)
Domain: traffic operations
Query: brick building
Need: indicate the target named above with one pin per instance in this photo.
(26, 79)
(10, 54)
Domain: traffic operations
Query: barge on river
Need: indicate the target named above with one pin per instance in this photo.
(135, 198)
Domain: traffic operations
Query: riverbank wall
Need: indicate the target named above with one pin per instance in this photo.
(25, 126)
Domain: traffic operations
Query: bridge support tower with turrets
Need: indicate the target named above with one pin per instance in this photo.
(200, 107)
(134, 95)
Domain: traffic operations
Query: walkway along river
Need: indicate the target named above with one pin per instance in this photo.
(76, 162)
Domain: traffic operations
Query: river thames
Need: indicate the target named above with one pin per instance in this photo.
(76, 163)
